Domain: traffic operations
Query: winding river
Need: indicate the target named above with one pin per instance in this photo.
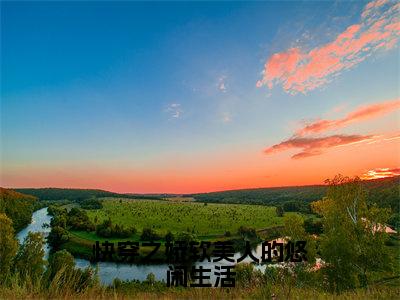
(108, 271)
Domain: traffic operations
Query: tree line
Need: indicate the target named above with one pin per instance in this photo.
(17, 206)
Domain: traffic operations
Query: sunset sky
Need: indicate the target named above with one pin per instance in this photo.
(188, 97)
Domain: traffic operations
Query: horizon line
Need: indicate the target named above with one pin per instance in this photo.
(214, 191)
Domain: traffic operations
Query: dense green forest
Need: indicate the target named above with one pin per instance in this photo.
(385, 193)
(56, 194)
(265, 196)
(17, 206)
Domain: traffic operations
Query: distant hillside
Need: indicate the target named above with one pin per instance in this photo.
(385, 192)
(18, 207)
(293, 198)
(55, 194)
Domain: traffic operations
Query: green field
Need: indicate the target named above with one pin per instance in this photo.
(198, 218)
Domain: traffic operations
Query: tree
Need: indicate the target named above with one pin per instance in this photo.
(293, 227)
(149, 234)
(352, 244)
(29, 262)
(59, 220)
(294, 230)
(313, 226)
(186, 237)
(18, 207)
(57, 237)
(279, 211)
(8, 246)
(394, 221)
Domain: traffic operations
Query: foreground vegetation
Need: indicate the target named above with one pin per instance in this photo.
(251, 284)
(361, 261)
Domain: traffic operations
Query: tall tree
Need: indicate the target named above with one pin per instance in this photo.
(353, 242)
(8, 246)
(29, 262)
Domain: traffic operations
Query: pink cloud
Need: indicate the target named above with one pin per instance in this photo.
(311, 146)
(360, 114)
(301, 71)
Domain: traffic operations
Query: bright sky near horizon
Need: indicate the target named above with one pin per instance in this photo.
(182, 97)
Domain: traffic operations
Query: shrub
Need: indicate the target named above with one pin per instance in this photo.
(57, 237)
(247, 232)
(107, 229)
(149, 234)
(169, 237)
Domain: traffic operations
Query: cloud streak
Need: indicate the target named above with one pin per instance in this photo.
(360, 114)
(299, 71)
(380, 173)
(311, 146)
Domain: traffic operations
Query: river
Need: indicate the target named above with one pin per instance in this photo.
(108, 271)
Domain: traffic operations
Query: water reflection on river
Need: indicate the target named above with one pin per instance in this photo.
(109, 270)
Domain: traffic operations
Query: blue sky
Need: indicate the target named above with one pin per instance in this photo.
(156, 88)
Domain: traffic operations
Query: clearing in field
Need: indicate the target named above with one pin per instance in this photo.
(198, 218)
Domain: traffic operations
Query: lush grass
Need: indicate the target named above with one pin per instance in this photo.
(198, 218)
(208, 222)
(63, 289)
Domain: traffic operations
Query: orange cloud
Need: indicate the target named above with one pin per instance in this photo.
(316, 145)
(380, 173)
(360, 114)
(301, 71)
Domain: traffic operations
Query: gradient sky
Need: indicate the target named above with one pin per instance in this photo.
(191, 97)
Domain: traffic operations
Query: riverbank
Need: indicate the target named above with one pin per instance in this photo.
(108, 271)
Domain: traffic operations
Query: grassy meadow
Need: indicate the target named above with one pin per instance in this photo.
(207, 221)
(204, 220)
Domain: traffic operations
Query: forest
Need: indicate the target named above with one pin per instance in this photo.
(58, 194)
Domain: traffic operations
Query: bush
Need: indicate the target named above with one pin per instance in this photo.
(91, 203)
(247, 232)
(79, 220)
(247, 276)
(107, 229)
(186, 237)
(149, 234)
(169, 237)
(64, 277)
